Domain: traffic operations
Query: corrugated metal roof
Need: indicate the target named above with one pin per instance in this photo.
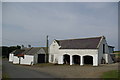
(84, 43)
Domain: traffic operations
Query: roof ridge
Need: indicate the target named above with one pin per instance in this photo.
(28, 50)
(80, 38)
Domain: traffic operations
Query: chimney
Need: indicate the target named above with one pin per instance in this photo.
(29, 46)
(22, 47)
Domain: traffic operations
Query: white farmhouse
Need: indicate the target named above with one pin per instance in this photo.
(94, 50)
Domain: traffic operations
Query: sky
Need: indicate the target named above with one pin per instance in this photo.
(26, 23)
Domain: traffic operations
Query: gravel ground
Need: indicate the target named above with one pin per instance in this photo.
(75, 71)
(18, 71)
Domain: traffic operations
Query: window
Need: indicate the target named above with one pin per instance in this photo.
(103, 48)
(52, 58)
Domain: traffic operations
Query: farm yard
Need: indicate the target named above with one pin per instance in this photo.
(74, 71)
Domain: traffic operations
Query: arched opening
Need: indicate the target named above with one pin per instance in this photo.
(66, 59)
(76, 59)
(88, 60)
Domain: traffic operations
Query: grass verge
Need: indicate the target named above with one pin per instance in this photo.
(111, 74)
(5, 76)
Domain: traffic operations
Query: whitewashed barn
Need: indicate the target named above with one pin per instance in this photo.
(94, 50)
(33, 56)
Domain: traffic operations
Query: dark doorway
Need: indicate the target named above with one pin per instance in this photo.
(41, 58)
(88, 60)
(66, 59)
(76, 59)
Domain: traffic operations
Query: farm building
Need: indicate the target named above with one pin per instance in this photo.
(28, 56)
(33, 56)
(94, 51)
(17, 55)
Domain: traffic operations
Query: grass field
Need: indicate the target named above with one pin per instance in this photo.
(111, 74)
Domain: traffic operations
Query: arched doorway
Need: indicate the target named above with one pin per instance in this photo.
(66, 59)
(76, 59)
(88, 59)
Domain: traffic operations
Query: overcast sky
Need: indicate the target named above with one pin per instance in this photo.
(29, 23)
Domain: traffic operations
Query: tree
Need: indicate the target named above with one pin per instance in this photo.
(6, 50)
(18, 47)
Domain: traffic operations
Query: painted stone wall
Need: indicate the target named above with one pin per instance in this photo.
(11, 57)
(27, 60)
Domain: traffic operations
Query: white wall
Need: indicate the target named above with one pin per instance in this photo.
(80, 52)
(58, 53)
(15, 60)
(100, 52)
(53, 49)
(11, 57)
(35, 58)
(27, 60)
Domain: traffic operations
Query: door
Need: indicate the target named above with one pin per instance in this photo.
(41, 58)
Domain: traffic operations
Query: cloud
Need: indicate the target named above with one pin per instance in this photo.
(33, 21)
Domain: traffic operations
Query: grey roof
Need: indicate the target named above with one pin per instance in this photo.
(18, 51)
(83, 43)
(26, 50)
(45, 49)
(33, 50)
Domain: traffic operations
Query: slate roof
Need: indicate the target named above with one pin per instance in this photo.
(26, 50)
(33, 50)
(83, 43)
(18, 51)
(45, 49)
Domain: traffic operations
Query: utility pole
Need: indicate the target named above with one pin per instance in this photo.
(47, 53)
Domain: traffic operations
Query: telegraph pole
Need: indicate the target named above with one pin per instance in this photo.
(47, 52)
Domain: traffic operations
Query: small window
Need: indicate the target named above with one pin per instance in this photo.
(103, 48)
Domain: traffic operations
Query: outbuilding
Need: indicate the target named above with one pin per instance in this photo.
(34, 55)
(17, 56)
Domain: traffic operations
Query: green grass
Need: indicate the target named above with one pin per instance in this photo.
(116, 51)
(117, 54)
(111, 74)
(5, 76)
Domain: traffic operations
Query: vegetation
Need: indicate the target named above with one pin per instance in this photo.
(6, 50)
(5, 76)
(116, 51)
(112, 74)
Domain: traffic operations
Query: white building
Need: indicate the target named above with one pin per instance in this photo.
(16, 56)
(33, 56)
(93, 51)
(28, 56)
